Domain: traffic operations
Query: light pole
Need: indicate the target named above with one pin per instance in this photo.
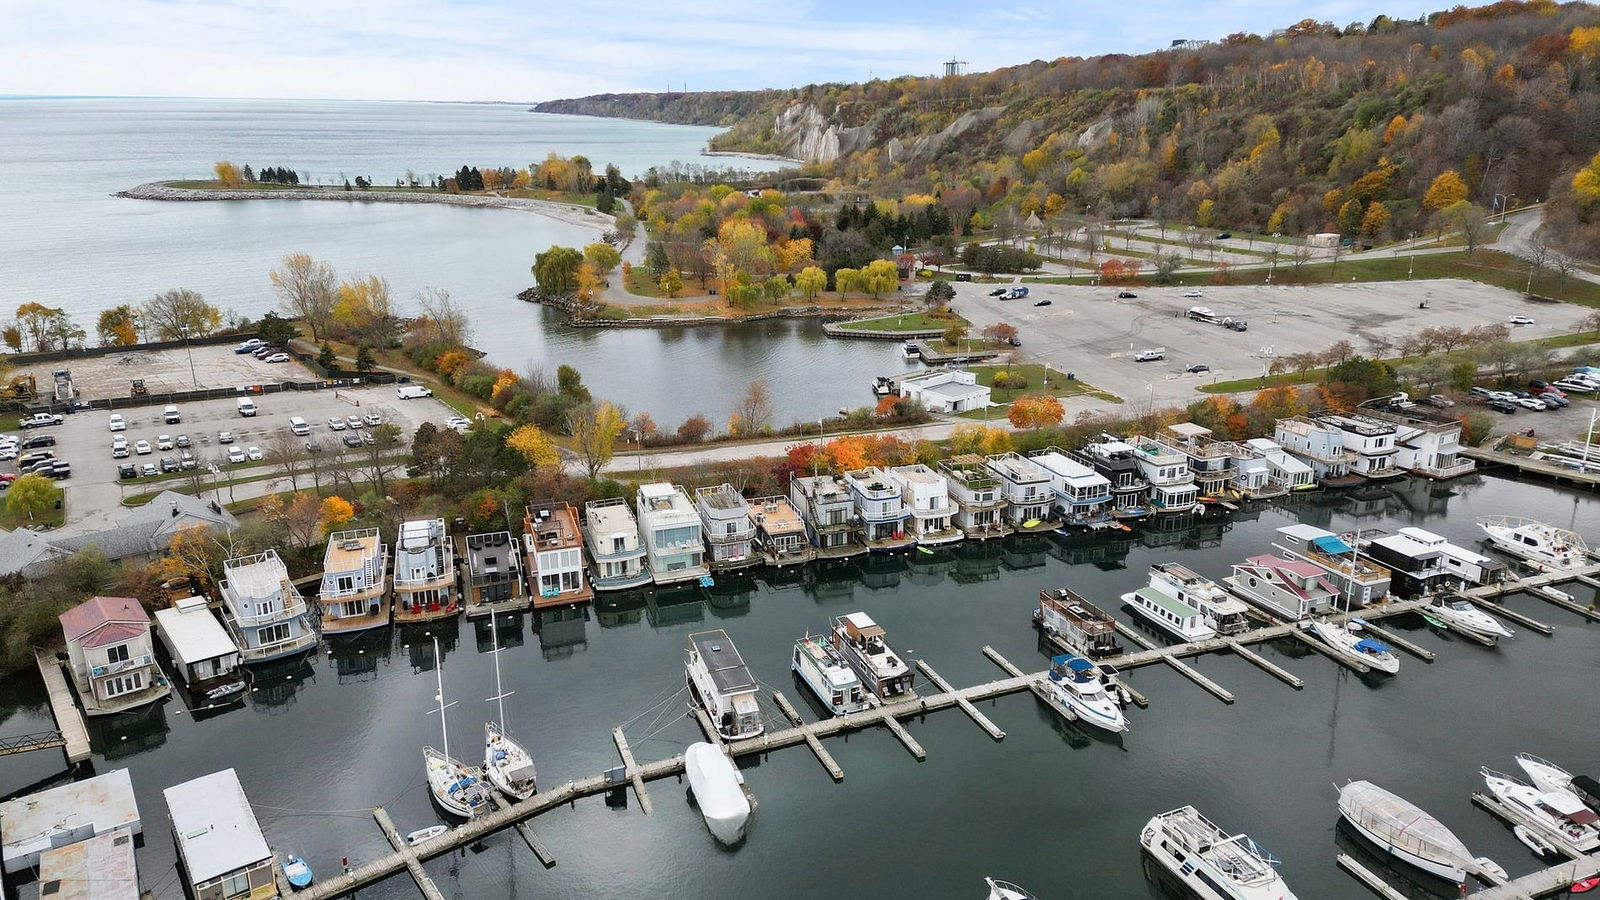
(1500, 204)
(638, 446)
(192, 377)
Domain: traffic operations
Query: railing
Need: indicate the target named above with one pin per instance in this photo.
(123, 666)
(352, 593)
(1461, 467)
(432, 581)
(288, 645)
(39, 740)
(616, 555)
(1071, 500)
(726, 538)
(287, 611)
(886, 517)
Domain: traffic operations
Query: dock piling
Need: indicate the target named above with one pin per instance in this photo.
(964, 703)
(418, 873)
(822, 754)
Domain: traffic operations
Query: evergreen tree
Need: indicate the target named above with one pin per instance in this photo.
(325, 358)
(364, 360)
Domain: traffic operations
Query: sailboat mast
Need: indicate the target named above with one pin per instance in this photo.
(438, 671)
(499, 692)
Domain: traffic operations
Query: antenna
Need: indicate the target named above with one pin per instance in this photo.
(954, 66)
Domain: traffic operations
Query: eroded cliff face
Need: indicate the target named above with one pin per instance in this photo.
(806, 133)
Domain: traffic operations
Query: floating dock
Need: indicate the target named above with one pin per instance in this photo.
(69, 720)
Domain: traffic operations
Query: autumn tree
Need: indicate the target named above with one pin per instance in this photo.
(811, 281)
(556, 271)
(306, 289)
(588, 281)
(1375, 222)
(753, 413)
(30, 495)
(694, 429)
(1036, 411)
(978, 438)
(847, 280)
(334, 512)
(1469, 220)
(118, 326)
(671, 282)
(179, 313)
(595, 430)
(1000, 333)
(364, 311)
(880, 277)
(530, 441)
(227, 173)
(1446, 190)
(603, 257)
(1586, 184)
(443, 321)
(955, 332)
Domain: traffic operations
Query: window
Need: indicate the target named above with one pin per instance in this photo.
(237, 885)
(346, 584)
(117, 654)
(272, 634)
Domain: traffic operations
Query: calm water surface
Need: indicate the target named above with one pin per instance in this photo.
(65, 241)
(1051, 807)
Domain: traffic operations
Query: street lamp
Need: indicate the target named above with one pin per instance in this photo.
(184, 330)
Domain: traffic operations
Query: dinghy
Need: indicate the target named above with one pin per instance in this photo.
(423, 835)
(297, 871)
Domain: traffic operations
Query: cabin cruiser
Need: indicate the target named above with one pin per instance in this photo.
(1547, 776)
(1555, 816)
(723, 686)
(861, 642)
(829, 677)
(1170, 614)
(1536, 542)
(1222, 612)
(1458, 613)
(1079, 686)
(1210, 862)
(1353, 646)
(1078, 623)
(1005, 890)
(1290, 589)
(1408, 833)
(718, 791)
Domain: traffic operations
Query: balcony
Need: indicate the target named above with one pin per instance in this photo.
(286, 647)
(123, 666)
(739, 534)
(1453, 470)
(622, 555)
(289, 610)
(445, 579)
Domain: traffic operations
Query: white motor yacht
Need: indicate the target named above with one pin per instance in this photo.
(1556, 816)
(1407, 833)
(1078, 685)
(1170, 614)
(1545, 775)
(1005, 890)
(1535, 541)
(717, 791)
(1223, 612)
(1352, 645)
(1462, 615)
(1210, 862)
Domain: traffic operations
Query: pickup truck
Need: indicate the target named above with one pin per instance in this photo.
(39, 420)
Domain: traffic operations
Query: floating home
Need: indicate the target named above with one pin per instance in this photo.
(881, 509)
(1082, 495)
(1117, 462)
(724, 685)
(1372, 441)
(31, 825)
(112, 656)
(674, 542)
(1211, 462)
(206, 658)
(1321, 446)
(1284, 471)
(1290, 589)
(614, 546)
(926, 494)
(494, 573)
(552, 545)
(1426, 443)
(354, 595)
(1172, 486)
(975, 491)
(266, 616)
(1078, 623)
(222, 851)
(1423, 561)
(1025, 488)
(424, 573)
(730, 534)
(780, 534)
(828, 510)
(1356, 581)
(100, 868)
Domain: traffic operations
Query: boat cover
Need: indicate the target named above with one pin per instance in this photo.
(1587, 789)
(1331, 545)
(1368, 645)
(1079, 664)
(716, 789)
(1401, 823)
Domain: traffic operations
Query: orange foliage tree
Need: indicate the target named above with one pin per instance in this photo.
(1036, 411)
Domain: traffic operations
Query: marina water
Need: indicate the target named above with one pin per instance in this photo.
(69, 243)
(1053, 807)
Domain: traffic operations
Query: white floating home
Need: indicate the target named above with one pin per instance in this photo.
(975, 490)
(730, 532)
(266, 616)
(355, 582)
(1172, 486)
(723, 685)
(1284, 471)
(1025, 488)
(828, 510)
(612, 534)
(1082, 495)
(206, 657)
(927, 499)
(220, 846)
(1320, 446)
(1372, 440)
(881, 509)
(111, 655)
(58, 816)
(674, 542)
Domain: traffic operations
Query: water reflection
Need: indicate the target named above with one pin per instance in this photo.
(1410, 881)
(275, 686)
(977, 562)
(730, 595)
(130, 733)
(674, 607)
(563, 631)
(419, 641)
(357, 657)
(619, 608)
(506, 627)
(1025, 551)
(882, 571)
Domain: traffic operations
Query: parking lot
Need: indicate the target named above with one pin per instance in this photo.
(217, 366)
(1088, 331)
(94, 492)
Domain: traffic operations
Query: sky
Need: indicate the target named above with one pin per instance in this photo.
(518, 50)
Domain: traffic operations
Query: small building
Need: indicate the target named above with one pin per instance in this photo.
(28, 553)
(828, 510)
(58, 816)
(111, 655)
(494, 572)
(1326, 240)
(1320, 446)
(266, 616)
(975, 489)
(424, 573)
(552, 546)
(143, 534)
(927, 498)
(1283, 470)
(1117, 461)
(614, 546)
(1426, 443)
(674, 542)
(1355, 581)
(1371, 440)
(780, 534)
(1082, 495)
(355, 582)
(880, 507)
(220, 846)
(1025, 488)
(725, 520)
(1172, 487)
(205, 655)
(945, 390)
(100, 868)
(1210, 461)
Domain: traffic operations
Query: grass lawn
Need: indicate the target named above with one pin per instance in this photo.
(51, 517)
(1036, 374)
(910, 321)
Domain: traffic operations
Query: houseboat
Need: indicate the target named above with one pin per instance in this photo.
(265, 615)
(354, 595)
(1222, 612)
(881, 509)
(1290, 589)
(829, 677)
(829, 513)
(1285, 472)
(780, 534)
(111, 655)
(975, 490)
(1210, 461)
(723, 686)
(1426, 442)
(1116, 461)
(221, 849)
(1209, 861)
(206, 659)
(674, 542)
(1077, 623)
(1356, 581)
(614, 547)
(1252, 474)
(1545, 545)
(1175, 617)
(494, 573)
(926, 494)
(730, 534)
(552, 555)
(1083, 496)
(424, 573)
(860, 641)
(1172, 487)
(1320, 446)
(1372, 440)
(1025, 490)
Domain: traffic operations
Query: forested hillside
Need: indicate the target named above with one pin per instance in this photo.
(1314, 128)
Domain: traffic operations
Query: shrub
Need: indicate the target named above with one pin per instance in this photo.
(1010, 381)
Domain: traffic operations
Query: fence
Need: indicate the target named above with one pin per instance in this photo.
(155, 398)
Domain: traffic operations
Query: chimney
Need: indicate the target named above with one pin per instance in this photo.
(174, 509)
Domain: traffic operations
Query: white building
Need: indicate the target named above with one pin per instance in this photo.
(553, 554)
(927, 498)
(673, 539)
(828, 509)
(881, 507)
(612, 534)
(1427, 444)
(730, 533)
(1321, 446)
(1372, 441)
(1210, 461)
(1082, 495)
(1025, 488)
(975, 490)
(945, 390)
(266, 616)
(1172, 487)
(220, 845)
(1284, 470)
(110, 653)
(58, 816)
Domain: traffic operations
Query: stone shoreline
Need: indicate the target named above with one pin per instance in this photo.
(567, 213)
(579, 314)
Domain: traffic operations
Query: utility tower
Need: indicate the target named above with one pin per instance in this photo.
(955, 67)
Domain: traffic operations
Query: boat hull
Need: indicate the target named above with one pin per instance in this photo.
(1182, 634)
(1444, 869)
(1108, 719)
(510, 755)
(1185, 873)
(1473, 621)
(1338, 639)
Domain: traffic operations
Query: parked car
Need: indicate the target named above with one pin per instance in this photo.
(254, 453)
(337, 423)
(368, 438)
(8, 451)
(265, 351)
(999, 292)
(33, 459)
(250, 346)
(277, 358)
(372, 419)
(1554, 401)
(412, 392)
(353, 421)
(40, 420)
(1148, 356)
(183, 441)
(169, 464)
(236, 454)
(171, 416)
(149, 469)
(1041, 303)
(117, 422)
(1198, 367)
(1224, 235)
(1498, 405)
(187, 461)
(38, 440)
(352, 440)
(1127, 295)
(1438, 400)
(142, 447)
(458, 424)
(119, 449)
(1521, 320)
(1483, 392)
(58, 469)
(1194, 293)
(127, 470)
(224, 437)
(1537, 385)
(164, 442)
(39, 466)
(1531, 403)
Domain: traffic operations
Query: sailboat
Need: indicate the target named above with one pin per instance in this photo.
(508, 765)
(455, 785)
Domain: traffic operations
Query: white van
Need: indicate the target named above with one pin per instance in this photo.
(247, 407)
(412, 391)
(299, 426)
(170, 415)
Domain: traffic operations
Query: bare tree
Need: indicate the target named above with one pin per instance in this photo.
(383, 456)
(287, 453)
(446, 322)
(1379, 345)
(755, 408)
(307, 289)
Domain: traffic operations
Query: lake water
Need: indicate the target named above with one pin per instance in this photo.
(65, 241)
(1051, 807)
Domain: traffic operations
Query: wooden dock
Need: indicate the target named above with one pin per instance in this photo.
(408, 855)
(1555, 879)
(1171, 659)
(822, 754)
(1266, 665)
(1369, 878)
(69, 719)
(964, 703)
(631, 769)
(1396, 640)
(1521, 465)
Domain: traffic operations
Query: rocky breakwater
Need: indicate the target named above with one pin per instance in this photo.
(569, 213)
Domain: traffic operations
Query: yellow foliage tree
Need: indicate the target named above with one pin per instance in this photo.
(1397, 127)
(1446, 190)
(335, 511)
(880, 277)
(811, 281)
(793, 254)
(535, 446)
(227, 173)
(1375, 221)
(979, 438)
(1586, 184)
(671, 282)
(451, 361)
(1036, 411)
(588, 281)
(1585, 41)
(846, 453)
